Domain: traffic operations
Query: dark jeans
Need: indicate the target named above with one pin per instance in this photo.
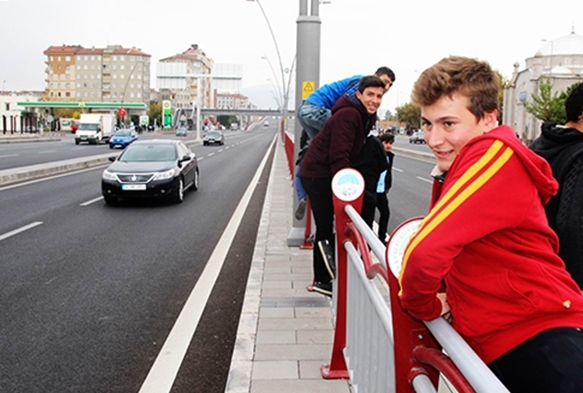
(385, 214)
(319, 192)
(550, 362)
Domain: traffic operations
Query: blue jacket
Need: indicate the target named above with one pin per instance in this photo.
(327, 95)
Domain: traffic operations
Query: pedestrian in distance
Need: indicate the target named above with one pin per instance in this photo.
(562, 147)
(486, 239)
(332, 149)
(317, 109)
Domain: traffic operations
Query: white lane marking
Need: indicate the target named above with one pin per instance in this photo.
(89, 202)
(8, 155)
(19, 230)
(199, 158)
(46, 152)
(398, 170)
(210, 154)
(424, 179)
(164, 370)
(220, 150)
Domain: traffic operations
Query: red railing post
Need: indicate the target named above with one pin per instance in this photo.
(408, 333)
(347, 189)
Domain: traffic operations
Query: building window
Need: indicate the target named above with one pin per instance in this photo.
(67, 58)
(114, 57)
(59, 58)
(122, 67)
(121, 58)
(67, 94)
(7, 106)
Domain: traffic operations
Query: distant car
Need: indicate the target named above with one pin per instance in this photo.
(155, 168)
(181, 131)
(122, 138)
(417, 137)
(213, 138)
(266, 123)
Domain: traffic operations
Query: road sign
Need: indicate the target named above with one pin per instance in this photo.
(166, 114)
(121, 112)
(307, 89)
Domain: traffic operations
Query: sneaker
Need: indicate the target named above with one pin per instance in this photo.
(325, 288)
(328, 256)
(301, 209)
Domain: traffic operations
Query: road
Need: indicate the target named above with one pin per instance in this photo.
(90, 293)
(13, 155)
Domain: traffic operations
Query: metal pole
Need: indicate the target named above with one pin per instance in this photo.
(307, 74)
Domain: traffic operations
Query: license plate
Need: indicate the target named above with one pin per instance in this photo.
(133, 187)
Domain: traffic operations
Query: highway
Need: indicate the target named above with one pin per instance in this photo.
(90, 293)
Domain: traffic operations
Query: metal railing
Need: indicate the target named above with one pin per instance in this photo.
(376, 344)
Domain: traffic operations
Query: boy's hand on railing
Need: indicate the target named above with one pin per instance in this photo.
(445, 309)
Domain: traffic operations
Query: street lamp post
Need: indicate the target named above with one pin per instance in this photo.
(281, 69)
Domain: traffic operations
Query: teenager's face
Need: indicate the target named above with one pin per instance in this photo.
(388, 82)
(371, 98)
(449, 125)
(388, 146)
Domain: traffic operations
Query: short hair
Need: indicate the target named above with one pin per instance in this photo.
(459, 75)
(385, 71)
(387, 137)
(574, 103)
(370, 81)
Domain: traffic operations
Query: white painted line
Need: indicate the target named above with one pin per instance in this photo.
(210, 154)
(220, 150)
(425, 180)
(91, 201)
(8, 155)
(21, 229)
(199, 158)
(46, 152)
(397, 170)
(163, 372)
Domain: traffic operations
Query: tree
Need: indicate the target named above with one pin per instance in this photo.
(388, 115)
(155, 112)
(410, 114)
(547, 106)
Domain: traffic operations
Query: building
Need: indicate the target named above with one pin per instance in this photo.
(185, 79)
(560, 61)
(13, 117)
(111, 74)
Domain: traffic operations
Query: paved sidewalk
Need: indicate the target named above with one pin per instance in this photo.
(285, 332)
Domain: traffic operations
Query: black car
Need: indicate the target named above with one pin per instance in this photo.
(213, 137)
(151, 169)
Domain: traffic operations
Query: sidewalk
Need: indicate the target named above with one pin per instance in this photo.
(285, 332)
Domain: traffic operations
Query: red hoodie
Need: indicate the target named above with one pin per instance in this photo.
(487, 238)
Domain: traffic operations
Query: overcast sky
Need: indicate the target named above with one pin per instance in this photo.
(358, 36)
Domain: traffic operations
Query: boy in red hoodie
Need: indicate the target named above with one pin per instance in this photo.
(486, 239)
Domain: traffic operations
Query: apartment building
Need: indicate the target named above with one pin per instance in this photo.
(185, 78)
(111, 74)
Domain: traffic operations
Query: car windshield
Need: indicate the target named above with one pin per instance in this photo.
(149, 153)
(213, 134)
(123, 133)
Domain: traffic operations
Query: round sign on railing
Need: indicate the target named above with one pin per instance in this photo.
(347, 184)
(397, 243)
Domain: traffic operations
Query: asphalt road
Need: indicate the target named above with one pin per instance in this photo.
(90, 293)
(13, 155)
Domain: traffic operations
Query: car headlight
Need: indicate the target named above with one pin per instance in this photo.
(107, 175)
(164, 175)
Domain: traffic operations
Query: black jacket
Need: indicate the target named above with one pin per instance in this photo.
(563, 149)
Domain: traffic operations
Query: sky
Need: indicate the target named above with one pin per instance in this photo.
(357, 36)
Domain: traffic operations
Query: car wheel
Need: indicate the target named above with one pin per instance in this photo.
(194, 186)
(76, 141)
(179, 193)
(111, 146)
(110, 200)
